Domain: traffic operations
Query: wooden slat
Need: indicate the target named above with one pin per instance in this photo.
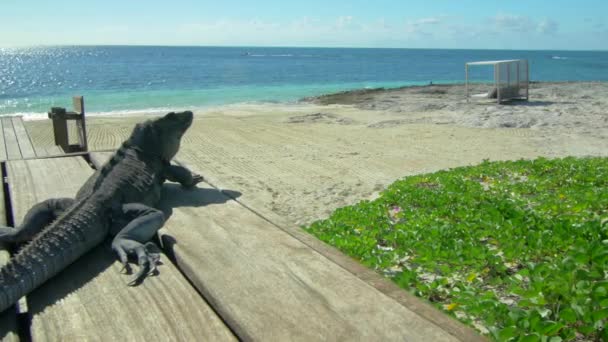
(2, 144)
(193, 232)
(8, 318)
(269, 286)
(41, 151)
(370, 276)
(10, 139)
(23, 138)
(90, 299)
(47, 151)
(54, 150)
(254, 275)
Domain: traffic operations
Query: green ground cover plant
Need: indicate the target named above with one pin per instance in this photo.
(517, 249)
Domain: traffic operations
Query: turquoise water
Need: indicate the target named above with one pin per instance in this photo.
(136, 101)
(117, 79)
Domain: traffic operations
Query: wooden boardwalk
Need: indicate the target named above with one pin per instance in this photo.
(15, 143)
(90, 300)
(228, 273)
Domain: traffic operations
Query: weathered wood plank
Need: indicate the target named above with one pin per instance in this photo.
(41, 151)
(255, 275)
(23, 138)
(2, 144)
(8, 319)
(10, 139)
(400, 297)
(54, 150)
(90, 300)
(269, 286)
(47, 151)
(371, 277)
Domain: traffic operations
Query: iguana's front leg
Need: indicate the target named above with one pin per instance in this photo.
(38, 217)
(183, 176)
(143, 223)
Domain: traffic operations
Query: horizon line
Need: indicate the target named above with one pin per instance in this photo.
(287, 46)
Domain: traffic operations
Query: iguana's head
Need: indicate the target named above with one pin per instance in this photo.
(161, 136)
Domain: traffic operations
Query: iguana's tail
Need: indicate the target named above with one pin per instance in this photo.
(77, 231)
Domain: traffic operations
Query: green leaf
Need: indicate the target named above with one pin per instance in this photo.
(530, 338)
(600, 292)
(586, 329)
(600, 314)
(567, 315)
(508, 333)
(578, 309)
(551, 328)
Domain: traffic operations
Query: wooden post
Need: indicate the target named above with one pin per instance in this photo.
(81, 127)
(60, 127)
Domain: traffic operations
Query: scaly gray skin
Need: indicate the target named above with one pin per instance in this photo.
(117, 200)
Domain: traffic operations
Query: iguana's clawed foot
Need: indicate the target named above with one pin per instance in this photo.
(147, 258)
(126, 268)
(147, 267)
(196, 178)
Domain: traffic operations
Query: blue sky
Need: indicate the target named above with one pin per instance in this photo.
(512, 24)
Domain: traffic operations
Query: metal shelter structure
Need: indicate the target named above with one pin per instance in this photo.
(511, 80)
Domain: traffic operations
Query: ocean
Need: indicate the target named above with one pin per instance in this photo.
(141, 79)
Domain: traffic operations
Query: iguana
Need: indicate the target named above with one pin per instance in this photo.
(117, 200)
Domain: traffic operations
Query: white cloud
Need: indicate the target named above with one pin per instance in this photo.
(382, 24)
(114, 29)
(306, 23)
(427, 21)
(346, 30)
(516, 23)
(547, 26)
(422, 26)
(345, 21)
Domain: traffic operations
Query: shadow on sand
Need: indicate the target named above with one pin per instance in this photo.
(533, 103)
(522, 103)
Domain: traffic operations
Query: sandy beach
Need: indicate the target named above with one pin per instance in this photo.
(301, 161)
